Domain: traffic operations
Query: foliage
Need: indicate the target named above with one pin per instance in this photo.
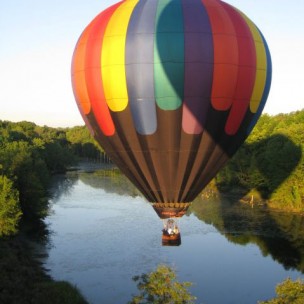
(83, 144)
(161, 287)
(29, 155)
(61, 292)
(23, 280)
(288, 292)
(271, 161)
(10, 211)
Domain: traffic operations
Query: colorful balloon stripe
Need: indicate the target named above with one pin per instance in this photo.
(78, 74)
(113, 67)
(93, 71)
(140, 66)
(198, 66)
(261, 66)
(246, 71)
(225, 48)
(169, 55)
(266, 87)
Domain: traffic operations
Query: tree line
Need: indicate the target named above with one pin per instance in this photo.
(29, 155)
(270, 164)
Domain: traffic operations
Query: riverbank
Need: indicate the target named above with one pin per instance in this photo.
(252, 198)
(245, 196)
(24, 280)
(90, 166)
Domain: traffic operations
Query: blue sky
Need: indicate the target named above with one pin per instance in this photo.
(37, 39)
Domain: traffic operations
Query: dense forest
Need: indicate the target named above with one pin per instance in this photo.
(29, 155)
(270, 165)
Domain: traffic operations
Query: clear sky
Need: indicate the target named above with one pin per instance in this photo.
(37, 39)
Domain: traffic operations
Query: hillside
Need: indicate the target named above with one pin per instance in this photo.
(270, 164)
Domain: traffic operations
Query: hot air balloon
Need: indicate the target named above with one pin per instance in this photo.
(170, 89)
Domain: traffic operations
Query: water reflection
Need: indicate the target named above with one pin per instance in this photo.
(62, 185)
(111, 180)
(277, 234)
(104, 233)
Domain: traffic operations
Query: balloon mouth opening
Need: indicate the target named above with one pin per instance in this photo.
(170, 210)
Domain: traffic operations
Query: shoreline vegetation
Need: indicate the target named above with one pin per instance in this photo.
(24, 279)
(267, 170)
(253, 199)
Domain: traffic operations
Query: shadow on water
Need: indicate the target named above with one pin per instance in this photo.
(277, 234)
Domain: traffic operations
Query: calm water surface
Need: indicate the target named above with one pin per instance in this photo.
(103, 233)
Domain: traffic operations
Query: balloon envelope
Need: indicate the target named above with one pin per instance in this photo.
(171, 89)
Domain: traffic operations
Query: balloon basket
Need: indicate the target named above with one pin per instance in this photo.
(171, 234)
(171, 240)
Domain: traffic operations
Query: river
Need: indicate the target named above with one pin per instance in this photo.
(102, 233)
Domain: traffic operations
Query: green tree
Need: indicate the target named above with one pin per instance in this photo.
(57, 157)
(161, 287)
(270, 163)
(10, 212)
(288, 292)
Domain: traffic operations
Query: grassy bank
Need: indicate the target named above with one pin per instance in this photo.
(23, 279)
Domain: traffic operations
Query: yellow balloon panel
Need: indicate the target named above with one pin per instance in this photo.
(113, 57)
(261, 66)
